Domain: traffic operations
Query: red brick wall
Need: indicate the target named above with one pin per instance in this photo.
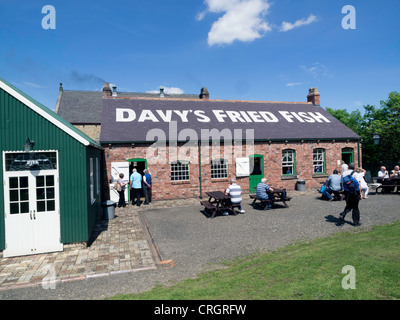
(164, 188)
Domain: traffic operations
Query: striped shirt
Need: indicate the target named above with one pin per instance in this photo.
(262, 191)
(235, 191)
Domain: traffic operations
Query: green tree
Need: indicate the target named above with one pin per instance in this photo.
(384, 121)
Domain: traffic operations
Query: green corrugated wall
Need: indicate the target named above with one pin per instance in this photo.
(17, 122)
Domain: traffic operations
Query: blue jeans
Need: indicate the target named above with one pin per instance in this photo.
(327, 193)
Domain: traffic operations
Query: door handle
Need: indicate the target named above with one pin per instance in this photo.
(30, 213)
(34, 214)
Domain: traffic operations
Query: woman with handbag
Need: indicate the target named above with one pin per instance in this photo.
(120, 187)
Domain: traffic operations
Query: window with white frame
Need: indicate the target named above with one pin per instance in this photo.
(288, 162)
(319, 161)
(91, 180)
(97, 176)
(219, 169)
(180, 171)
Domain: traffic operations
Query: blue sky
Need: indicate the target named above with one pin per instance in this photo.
(238, 49)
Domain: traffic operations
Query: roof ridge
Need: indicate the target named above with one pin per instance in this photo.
(209, 100)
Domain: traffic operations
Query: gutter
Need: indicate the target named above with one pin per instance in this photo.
(199, 148)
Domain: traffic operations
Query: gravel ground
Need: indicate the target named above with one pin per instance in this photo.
(196, 243)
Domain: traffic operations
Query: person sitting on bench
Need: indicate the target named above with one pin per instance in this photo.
(262, 189)
(235, 191)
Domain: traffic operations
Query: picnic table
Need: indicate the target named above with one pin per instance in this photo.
(278, 195)
(388, 184)
(218, 201)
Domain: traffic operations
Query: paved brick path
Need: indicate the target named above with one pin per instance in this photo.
(117, 246)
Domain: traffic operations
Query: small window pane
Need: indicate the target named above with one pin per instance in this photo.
(14, 208)
(41, 206)
(13, 183)
(40, 181)
(51, 205)
(23, 182)
(14, 195)
(24, 207)
(40, 195)
(24, 195)
(49, 181)
(49, 193)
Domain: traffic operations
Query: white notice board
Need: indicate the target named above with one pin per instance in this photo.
(242, 167)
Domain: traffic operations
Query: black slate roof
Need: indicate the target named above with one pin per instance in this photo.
(269, 120)
(84, 107)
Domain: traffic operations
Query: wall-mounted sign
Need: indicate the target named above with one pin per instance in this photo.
(242, 167)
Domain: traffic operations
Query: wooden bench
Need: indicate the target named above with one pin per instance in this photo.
(384, 186)
(265, 203)
(209, 206)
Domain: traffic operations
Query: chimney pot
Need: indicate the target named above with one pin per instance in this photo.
(204, 95)
(114, 90)
(61, 88)
(314, 96)
(162, 92)
(107, 90)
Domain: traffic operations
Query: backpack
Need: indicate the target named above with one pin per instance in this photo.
(350, 184)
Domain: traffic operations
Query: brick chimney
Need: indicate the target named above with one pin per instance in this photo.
(107, 90)
(204, 95)
(314, 96)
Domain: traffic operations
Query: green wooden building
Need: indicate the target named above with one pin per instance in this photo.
(51, 176)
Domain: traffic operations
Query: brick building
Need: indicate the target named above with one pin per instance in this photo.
(193, 144)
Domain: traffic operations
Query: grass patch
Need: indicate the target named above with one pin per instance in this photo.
(307, 270)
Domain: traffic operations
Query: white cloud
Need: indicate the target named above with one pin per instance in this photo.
(293, 84)
(243, 20)
(168, 90)
(33, 85)
(286, 26)
(316, 70)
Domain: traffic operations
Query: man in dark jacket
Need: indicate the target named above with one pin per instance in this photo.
(352, 197)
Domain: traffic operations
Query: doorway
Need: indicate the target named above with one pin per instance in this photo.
(139, 164)
(32, 214)
(256, 171)
(347, 155)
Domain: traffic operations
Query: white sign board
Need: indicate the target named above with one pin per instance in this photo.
(242, 167)
(117, 168)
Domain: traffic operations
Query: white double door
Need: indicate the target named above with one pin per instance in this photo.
(32, 215)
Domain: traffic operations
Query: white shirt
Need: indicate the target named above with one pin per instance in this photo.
(360, 179)
(382, 174)
(346, 173)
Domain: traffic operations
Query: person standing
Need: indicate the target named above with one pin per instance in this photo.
(359, 175)
(147, 186)
(136, 186)
(352, 194)
(235, 191)
(121, 202)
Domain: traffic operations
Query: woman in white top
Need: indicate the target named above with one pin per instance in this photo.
(359, 175)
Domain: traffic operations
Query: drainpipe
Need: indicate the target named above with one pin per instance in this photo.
(201, 191)
(359, 155)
